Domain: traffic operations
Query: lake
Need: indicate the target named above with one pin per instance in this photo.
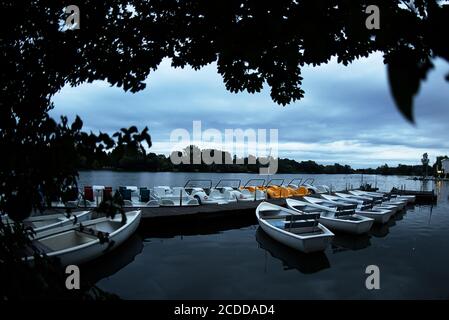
(237, 260)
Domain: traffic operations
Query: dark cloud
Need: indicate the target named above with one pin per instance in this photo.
(347, 115)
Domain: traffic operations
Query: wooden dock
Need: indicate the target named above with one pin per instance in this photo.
(235, 209)
(422, 197)
(232, 211)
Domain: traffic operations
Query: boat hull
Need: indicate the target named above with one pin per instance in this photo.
(355, 227)
(308, 245)
(378, 216)
(95, 249)
(351, 223)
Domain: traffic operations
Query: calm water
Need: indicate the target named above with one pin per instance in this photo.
(223, 259)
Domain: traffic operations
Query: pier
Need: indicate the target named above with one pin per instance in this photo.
(234, 210)
(237, 209)
(422, 197)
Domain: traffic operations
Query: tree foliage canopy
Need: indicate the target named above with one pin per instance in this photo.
(252, 42)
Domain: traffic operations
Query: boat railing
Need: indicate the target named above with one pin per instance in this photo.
(251, 180)
(229, 180)
(302, 221)
(270, 183)
(344, 213)
(295, 179)
(196, 185)
(312, 180)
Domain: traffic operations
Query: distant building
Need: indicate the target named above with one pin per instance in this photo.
(445, 165)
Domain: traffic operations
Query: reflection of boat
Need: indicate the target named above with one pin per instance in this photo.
(114, 261)
(344, 242)
(300, 231)
(171, 227)
(82, 243)
(382, 230)
(400, 215)
(292, 259)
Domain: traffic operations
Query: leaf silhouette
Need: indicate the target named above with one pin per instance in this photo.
(406, 70)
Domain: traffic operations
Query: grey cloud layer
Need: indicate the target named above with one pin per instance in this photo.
(347, 114)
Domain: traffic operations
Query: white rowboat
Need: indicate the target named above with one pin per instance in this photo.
(300, 231)
(77, 245)
(51, 221)
(333, 216)
(379, 214)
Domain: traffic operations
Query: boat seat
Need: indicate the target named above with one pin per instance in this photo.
(344, 213)
(88, 193)
(125, 193)
(266, 214)
(348, 206)
(107, 193)
(144, 195)
(301, 217)
(307, 209)
(103, 236)
(41, 247)
(279, 217)
(29, 224)
(302, 224)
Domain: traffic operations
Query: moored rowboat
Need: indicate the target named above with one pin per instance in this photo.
(379, 214)
(300, 231)
(84, 242)
(332, 215)
(51, 221)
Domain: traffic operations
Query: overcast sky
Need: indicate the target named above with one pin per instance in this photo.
(347, 115)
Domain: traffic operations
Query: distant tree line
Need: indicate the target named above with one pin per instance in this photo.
(132, 159)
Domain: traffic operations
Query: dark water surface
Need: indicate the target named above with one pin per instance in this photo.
(224, 259)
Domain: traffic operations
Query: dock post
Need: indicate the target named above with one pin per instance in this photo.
(180, 197)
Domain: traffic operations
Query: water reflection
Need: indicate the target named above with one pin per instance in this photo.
(399, 215)
(194, 227)
(114, 261)
(292, 259)
(344, 242)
